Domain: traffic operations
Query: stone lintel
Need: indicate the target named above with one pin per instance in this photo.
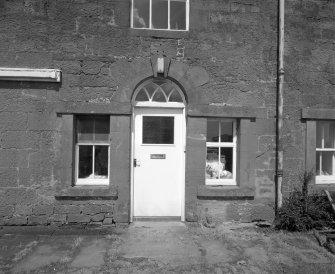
(221, 111)
(318, 114)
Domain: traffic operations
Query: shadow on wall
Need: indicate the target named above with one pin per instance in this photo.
(30, 85)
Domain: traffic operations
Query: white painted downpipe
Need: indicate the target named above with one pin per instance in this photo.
(280, 102)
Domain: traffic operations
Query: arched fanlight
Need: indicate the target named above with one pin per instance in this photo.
(159, 92)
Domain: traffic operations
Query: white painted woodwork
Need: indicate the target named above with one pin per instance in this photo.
(26, 74)
(158, 184)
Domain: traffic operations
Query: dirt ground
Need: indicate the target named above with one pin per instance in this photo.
(153, 247)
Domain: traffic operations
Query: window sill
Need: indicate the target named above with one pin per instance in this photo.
(323, 186)
(224, 192)
(177, 34)
(88, 192)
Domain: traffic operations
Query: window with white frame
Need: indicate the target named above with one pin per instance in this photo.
(221, 152)
(325, 152)
(92, 150)
(160, 14)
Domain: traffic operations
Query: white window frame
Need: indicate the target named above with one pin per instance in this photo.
(325, 179)
(90, 181)
(219, 144)
(150, 17)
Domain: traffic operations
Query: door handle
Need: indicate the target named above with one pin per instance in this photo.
(137, 163)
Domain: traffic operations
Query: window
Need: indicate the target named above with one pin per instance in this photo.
(158, 130)
(325, 152)
(160, 14)
(92, 150)
(221, 152)
(158, 93)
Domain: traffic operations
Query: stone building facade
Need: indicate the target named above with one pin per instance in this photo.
(208, 86)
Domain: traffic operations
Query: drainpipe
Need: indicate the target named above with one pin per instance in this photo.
(280, 101)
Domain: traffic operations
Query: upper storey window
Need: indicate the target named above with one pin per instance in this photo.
(160, 14)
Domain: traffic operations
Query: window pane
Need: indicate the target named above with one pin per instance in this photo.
(328, 134)
(324, 163)
(141, 14)
(212, 131)
(227, 162)
(227, 131)
(175, 97)
(101, 128)
(159, 96)
(159, 14)
(212, 163)
(101, 162)
(167, 88)
(178, 15)
(318, 168)
(151, 87)
(319, 134)
(158, 130)
(85, 129)
(85, 162)
(222, 169)
(141, 96)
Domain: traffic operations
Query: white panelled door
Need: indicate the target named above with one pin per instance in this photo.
(158, 162)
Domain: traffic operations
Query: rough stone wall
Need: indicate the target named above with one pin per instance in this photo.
(101, 61)
(309, 76)
(32, 213)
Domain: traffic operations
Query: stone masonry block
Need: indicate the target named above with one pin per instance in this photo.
(7, 210)
(34, 59)
(96, 81)
(17, 220)
(13, 158)
(109, 215)
(97, 217)
(91, 209)
(108, 221)
(8, 177)
(92, 67)
(73, 209)
(266, 126)
(20, 195)
(34, 175)
(107, 208)
(57, 218)
(266, 143)
(78, 218)
(328, 34)
(262, 211)
(41, 159)
(38, 220)
(21, 139)
(41, 121)
(23, 210)
(47, 139)
(177, 70)
(13, 120)
(71, 67)
(43, 210)
(198, 76)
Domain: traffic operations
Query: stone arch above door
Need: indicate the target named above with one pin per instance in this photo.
(132, 74)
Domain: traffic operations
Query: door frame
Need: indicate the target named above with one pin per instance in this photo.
(183, 152)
